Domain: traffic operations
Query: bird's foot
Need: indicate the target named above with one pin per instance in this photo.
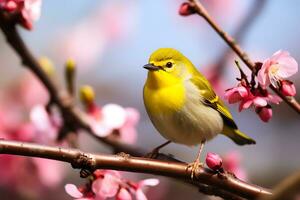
(153, 154)
(194, 167)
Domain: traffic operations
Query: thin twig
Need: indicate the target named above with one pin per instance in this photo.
(240, 33)
(124, 162)
(74, 118)
(199, 8)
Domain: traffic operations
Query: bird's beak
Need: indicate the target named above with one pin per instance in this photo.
(151, 67)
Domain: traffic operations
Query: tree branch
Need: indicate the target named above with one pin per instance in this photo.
(240, 32)
(124, 162)
(75, 119)
(200, 10)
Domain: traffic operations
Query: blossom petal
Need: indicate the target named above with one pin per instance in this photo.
(259, 101)
(124, 195)
(262, 75)
(106, 187)
(149, 182)
(114, 116)
(140, 195)
(73, 191)
(245, 104)
(288, 67)
(274, 99)
(236, 94)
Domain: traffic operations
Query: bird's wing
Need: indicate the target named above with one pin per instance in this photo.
(212, 100)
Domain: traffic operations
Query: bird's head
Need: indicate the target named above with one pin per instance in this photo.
(168, 66)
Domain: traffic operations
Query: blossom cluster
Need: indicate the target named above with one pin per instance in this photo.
(23, 117)
(28, 10)
(272, 72)
(107, 184)
(110, 118)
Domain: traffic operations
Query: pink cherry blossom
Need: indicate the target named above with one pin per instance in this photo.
(46, 126)
(139, 193)
(30, 10)
(213, 161)
(258, 100)
(108, 184)
(114, 117)
(236, 94)
(232, 163)
(111, 116)
(280, 66)
(123, 195)
(128, 131)
(287, 88)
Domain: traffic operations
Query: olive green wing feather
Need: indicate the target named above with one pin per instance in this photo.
(212, 100)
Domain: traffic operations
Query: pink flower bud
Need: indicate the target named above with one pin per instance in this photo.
(213, 161)
(186, 9)
(287, 88)
(264, 113)
(10, 6)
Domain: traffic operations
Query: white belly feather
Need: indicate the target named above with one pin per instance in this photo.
(193, 124)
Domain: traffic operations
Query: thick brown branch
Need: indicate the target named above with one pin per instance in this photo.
(124, 162)
(199, 8)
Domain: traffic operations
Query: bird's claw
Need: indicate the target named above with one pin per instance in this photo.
(153, 154)
(194, 167)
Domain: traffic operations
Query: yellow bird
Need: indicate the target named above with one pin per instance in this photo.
(182, 105)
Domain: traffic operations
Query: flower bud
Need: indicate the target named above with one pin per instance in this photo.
(186, 9)
(10, 6)
(287, 88)
(213, 161)
(87, 95)
(264, 113)
(70, 68)
(47, 66)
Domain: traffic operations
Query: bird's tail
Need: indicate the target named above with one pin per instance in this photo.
(237, 136)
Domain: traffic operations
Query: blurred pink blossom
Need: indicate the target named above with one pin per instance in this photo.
(107, 184)
(30, 10)
(213, 161)
(87, 41)
(215, 78)
(232, 163)
(23, 120)
(114, 117)
(280, 66)
(29, 91)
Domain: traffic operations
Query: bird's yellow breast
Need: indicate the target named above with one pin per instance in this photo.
(163, 94)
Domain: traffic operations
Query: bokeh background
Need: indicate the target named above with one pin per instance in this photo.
(112, 39)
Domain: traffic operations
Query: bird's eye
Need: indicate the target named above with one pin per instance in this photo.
(169, 64)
